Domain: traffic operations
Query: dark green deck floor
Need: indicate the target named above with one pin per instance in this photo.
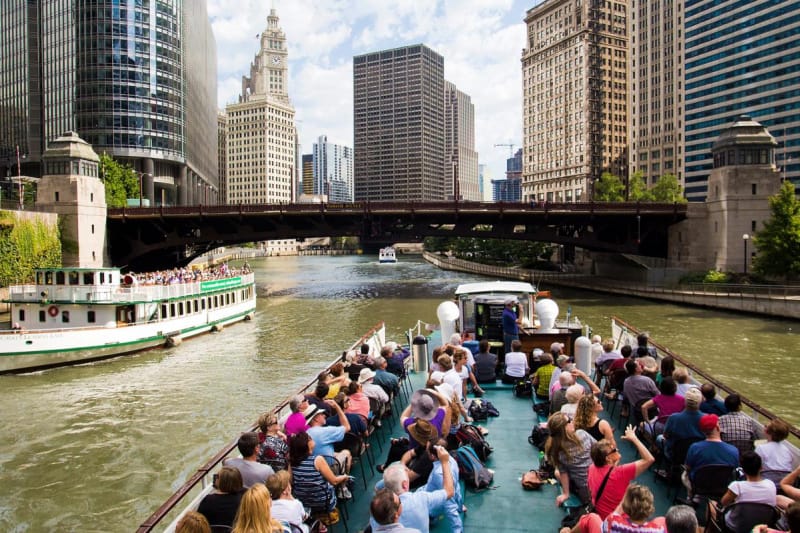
(505, 506)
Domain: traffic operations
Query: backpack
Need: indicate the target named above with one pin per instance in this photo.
(539, 435)
(478, 410)
(491, 409)
(471, 469)
(472, 436)
(523, 389)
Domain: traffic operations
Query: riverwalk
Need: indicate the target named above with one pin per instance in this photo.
(769, 300)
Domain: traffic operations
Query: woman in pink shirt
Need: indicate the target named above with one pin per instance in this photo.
(667, 403)
(358, 401)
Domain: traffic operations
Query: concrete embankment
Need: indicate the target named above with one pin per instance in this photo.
(778, 301)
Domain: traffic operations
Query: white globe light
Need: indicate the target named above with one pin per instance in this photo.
(447, 313)
(547, 310)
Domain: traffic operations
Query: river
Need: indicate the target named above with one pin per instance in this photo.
(98, 447)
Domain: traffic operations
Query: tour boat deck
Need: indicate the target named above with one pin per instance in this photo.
(505, 506)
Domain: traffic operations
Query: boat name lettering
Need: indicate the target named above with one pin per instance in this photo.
(218, 284)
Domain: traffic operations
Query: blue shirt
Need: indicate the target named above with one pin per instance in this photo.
(387, 380)
(419, 506)
(711, 453)
(714, 406)
(509, 322)
(683, 425)
(324, 437)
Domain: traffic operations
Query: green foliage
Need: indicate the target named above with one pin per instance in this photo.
(637, 190)
(491, 251)
(121, 181)
(778, 244)
(609, 188)
(667, 189)
(25, 245)
(715, 276)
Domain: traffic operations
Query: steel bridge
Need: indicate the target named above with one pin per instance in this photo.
(163, 237)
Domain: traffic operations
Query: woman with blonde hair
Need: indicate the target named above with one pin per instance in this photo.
(193, 522)
(587, 419)
(568, 450)
(255, 513)
(637, 506)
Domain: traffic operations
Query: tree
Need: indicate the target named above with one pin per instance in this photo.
(120, 180)
(609, 188)
(637, 189)
(778, 244)
(667, 189)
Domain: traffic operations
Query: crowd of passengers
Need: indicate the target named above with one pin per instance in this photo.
(188, 274)
(689, 427)
(293, 471)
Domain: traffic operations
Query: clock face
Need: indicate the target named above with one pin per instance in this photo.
(276, 60)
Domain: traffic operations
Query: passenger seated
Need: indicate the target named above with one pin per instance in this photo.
(681, 377)
(683, 425)
(736, 427)
(776, 455)
(637, 506)
(485, 363)
(313, 481)
(711, 451)
(711, 404)
(272, 450)
(754, 489)
(286, 507)
(358, 424)
(517, 365)
(295, 422)
(220, 507)
(568, 450)
(667, 403)
(252, 471)
(192, 522)
(387, 380)
(255, 513)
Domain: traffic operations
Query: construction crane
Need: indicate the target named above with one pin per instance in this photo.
(510, 148)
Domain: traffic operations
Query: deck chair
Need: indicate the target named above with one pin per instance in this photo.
(745, 515)
(743, 445)
(711, 481)
(674, 465)
(357, 447)
(218, 528)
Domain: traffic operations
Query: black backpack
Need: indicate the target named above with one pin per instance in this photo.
(472, 436)
(539, 435)
(523, 389)
(479, 410)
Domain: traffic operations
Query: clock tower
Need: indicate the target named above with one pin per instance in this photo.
(269, 71)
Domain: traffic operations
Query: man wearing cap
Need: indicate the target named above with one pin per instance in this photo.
(324, 436)
(711, 451)
(683, 425)
(252, 471)
(511, 324)
(385, 379)
(370, 389)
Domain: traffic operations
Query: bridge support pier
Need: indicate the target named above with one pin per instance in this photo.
(182, 186)
(148, 182)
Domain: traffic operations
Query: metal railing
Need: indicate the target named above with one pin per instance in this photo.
(375, 337)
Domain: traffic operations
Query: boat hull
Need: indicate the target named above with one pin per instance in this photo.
(29, 351)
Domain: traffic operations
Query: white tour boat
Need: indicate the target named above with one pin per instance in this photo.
(387, 255)
(73, 315)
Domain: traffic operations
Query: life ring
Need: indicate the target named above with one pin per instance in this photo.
(52, 311)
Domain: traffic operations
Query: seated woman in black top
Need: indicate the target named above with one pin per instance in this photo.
(220, 507)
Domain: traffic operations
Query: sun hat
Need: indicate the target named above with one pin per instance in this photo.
(422, 431)
(557, 346)
(365, 375)
(312, 411)
(424, 404)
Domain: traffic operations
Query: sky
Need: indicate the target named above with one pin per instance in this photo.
(481, 42)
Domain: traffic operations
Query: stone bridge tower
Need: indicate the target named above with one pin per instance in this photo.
(70, 186)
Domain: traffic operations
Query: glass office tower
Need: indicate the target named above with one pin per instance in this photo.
(135, 78)
(741, 56)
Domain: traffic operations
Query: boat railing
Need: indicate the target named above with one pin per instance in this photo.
(627, 335)
(121, 294)
(200, 480)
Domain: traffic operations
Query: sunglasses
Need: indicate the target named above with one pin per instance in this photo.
(613, 450)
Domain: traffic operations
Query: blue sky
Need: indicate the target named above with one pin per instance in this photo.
(481, 41)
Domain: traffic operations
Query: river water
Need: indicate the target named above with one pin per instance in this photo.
(97, 448)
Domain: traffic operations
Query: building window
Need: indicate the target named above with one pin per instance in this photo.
(65, 317)
(753, 225)
(754, 189)
(56, 196)
(21, 315)
(42, 316)
(90, 317)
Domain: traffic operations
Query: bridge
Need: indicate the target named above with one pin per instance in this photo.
(162, 237)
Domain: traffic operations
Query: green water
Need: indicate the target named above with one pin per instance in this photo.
(97, 448)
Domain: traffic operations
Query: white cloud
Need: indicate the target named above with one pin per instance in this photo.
(481, 41)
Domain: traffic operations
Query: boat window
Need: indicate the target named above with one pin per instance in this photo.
(203, 304)
(21, 315)
(48, 278)
(196, 307)
(216, 302)
(42, 316)
(88, 278)
(73, 278)
(40, 278)
(171, 309)
(90, 317)
(102, 276)
(65, 317)
(163, 310)
(180, 308)
(60, 278)
(228, 299)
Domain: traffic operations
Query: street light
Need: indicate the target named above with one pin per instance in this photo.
(745, 238)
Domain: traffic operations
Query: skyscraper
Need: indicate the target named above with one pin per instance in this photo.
(398, 124)
(741, 57)
(655, 99)
(574, 98)
(261, 136)
(136, 80)
(333, 170)
(461, 159)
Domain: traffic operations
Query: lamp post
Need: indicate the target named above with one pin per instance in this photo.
(745, 238)
(19, 181)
